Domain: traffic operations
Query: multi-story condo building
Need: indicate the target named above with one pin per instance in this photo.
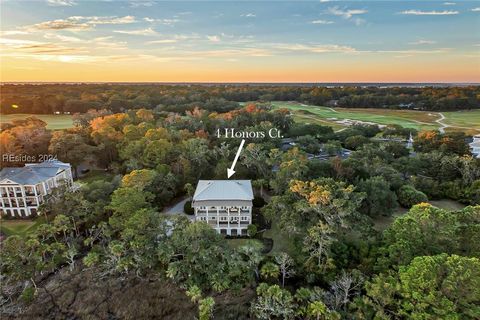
(23, 189)
(475, 146)
(226, 205)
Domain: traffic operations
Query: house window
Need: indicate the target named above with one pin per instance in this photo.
(244, 218)
(223, 218)
(213, 218)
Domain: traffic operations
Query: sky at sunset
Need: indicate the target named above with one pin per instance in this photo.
(227, 41)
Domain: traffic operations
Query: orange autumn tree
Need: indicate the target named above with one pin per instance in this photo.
(107, 132)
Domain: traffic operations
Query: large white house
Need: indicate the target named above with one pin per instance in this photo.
(226, 205)
(23, 189)
(475, 146)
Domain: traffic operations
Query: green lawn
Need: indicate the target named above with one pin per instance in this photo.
(383, 222)
(95, 175)
(419, 120)
(447, 204)
(281, 241)
(20, 227)
(237, 243)
(54, 122)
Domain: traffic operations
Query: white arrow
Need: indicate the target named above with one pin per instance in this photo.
(230, 172)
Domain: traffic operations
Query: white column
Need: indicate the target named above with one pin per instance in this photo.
(239, 213)
(24, 194)
(37, 198)
(228, 220)
(9, 198)
(2, 190)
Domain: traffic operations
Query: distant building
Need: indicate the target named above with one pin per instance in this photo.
(23, 189)
(226, 205)
(324, 155)
(287, 144)
(409, 144)
(475, 146)
(407, 105)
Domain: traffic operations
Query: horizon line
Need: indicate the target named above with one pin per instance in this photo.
(240, 82)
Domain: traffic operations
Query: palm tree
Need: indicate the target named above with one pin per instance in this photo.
(260, 183)
(270, 271)
(317, 310)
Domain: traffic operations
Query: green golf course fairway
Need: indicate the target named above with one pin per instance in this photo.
(54, 122)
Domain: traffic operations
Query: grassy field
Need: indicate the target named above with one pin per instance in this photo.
(20, 227)
(419, 120)
(54, 122)
(467, 119)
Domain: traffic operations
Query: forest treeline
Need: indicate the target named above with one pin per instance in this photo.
(79, 98)
(331, 258)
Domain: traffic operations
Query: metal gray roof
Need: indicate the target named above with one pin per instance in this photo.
(475, 144)
(33, 173)
(223, 190)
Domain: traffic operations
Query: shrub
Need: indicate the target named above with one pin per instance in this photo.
(472, 194)
(258, 202)
(380, 200)
(252, 230)
(355, 142)
(408, 196)
(28, 294)
(187, 208)
(428, 186)
(452, 189)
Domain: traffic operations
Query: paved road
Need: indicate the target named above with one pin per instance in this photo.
(443, 125)
(177, 209)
